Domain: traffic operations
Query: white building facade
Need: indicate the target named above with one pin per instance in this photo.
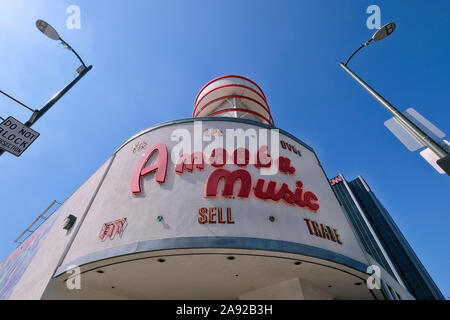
(223, 205)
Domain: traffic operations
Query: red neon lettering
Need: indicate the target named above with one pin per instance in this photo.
(269, 193)
(189, 161)
(333, 236)
(241, 157)
(218, 157)
(104, 232)
(160, 166)
(263, 158)
(325, 232)
(219, 216)
(112, 228)
(306, 199)
(120, 225)
(212, 214)
(299, 194)
(322, 231)
(230, 179)
(202, 213)
(309, 226)
(316, 229)
(309, 197)
(337, 236)
(301, 199)
(287, 194)
(229, 220)
(284, 165)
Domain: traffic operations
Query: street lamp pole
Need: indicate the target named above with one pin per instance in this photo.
(39, 113)
(50, 32)
(444, 156)
(404, 121)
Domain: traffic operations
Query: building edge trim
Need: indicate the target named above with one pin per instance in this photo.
(243, 243)
(186, 120)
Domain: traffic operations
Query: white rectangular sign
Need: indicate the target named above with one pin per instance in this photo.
(431, 157)
(15, 137)
(406, 137)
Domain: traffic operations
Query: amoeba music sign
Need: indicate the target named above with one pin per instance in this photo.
(180, 192)
(15, 137)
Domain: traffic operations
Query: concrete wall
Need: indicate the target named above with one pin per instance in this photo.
(51, 247)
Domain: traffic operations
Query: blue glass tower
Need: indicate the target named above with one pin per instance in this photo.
(382, 239)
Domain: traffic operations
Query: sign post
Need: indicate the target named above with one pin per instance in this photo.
(407, 124)
(15, 137)
(37, 114)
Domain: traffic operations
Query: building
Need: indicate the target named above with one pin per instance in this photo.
(382, 239)
(222, 205)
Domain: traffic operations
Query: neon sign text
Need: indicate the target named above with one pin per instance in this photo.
(263, 189)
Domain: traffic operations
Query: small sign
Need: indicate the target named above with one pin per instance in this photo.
(406, 137)
(15, 137)
(432, 158)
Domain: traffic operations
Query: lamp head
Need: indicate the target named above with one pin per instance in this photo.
(47, 29)
(384, 31)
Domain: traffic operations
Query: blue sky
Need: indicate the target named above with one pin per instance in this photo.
(150, 58)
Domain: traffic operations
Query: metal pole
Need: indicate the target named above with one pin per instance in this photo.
(35, 117)
(15, 100)
(405, 122)
(39, 113)
(71, 49)
(36, 220)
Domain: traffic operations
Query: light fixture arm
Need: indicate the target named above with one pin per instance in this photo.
(71, 49)
(364, 45)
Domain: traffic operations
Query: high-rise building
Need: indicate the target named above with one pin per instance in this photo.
(382, 238)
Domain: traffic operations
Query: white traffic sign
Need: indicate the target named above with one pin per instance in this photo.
(431, 157)
(15, 137)
(406, 137)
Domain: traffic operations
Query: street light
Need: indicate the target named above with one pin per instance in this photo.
(47, 29)
(50, 32)
(382, 33)
(444, 157)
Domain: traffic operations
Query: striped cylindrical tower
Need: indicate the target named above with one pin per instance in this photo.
(232, 96)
